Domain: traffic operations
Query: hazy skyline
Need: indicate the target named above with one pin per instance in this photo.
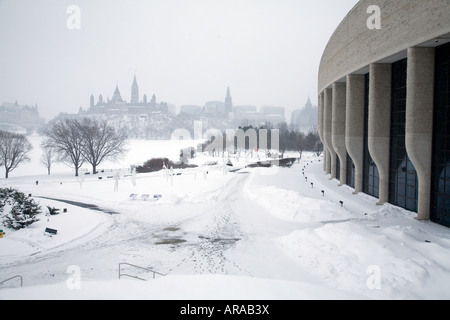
(183, 51)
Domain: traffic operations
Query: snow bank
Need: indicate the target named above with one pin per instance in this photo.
(348, 254)
(381, 252)
(270, 231)
(199, 287)
(74, 227)
(291, 205)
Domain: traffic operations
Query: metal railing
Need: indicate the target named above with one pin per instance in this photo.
(20, 277)
(121, 274)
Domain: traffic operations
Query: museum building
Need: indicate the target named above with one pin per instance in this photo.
(384, 104)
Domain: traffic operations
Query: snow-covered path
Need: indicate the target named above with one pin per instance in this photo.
(228, 235)
(236, 236)
(270, 226)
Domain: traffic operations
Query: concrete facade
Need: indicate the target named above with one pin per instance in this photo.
(380, 123)
(404, 24)
(338, 128)
(320, 128)
(419, 120)
(354, 129)
(327, 127)
(409, 29)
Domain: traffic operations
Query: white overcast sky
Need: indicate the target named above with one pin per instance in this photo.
(183, 51)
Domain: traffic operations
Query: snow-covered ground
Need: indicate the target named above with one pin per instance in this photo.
(251, 234)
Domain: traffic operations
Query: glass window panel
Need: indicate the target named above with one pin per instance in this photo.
(376, 192)
(441, 172)
(411, 179)
(410, 192)
(392, 197)
(447, 206)
(411, 204)
(401, 174)
(441, 186)
(447, 187)
(401, 189)
(440, 206)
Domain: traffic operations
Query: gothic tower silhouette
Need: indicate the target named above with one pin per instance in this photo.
(228, 101)
(117, 98)
(134, 91)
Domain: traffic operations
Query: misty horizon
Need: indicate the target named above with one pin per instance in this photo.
(184, 52)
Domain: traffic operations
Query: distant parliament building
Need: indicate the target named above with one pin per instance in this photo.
(384, 105)
(118, 105)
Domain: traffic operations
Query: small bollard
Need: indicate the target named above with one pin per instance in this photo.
(323, 193)
(37, 182)
(312, 185)
(342, 203)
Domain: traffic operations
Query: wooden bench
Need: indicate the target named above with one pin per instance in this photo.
(133, 196)
(145, 197)
(51, 231)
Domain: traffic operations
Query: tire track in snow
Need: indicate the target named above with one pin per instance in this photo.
(130, 239)
(208, 255)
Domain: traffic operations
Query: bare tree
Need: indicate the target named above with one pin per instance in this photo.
(65, 139)
(48, 156)
(13, 150)
(101, 141)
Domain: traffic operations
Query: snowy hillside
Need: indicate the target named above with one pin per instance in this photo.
(254, 233)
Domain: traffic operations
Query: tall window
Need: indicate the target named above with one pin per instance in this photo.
(440, 205)
(403, 183)
(371, 176)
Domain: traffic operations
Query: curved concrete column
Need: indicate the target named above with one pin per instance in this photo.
(320, 127)
(328, 118)
(320, 120)
(326, 160)
(354, 129)
(338, 127)
(419, 121)
(380, 123)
